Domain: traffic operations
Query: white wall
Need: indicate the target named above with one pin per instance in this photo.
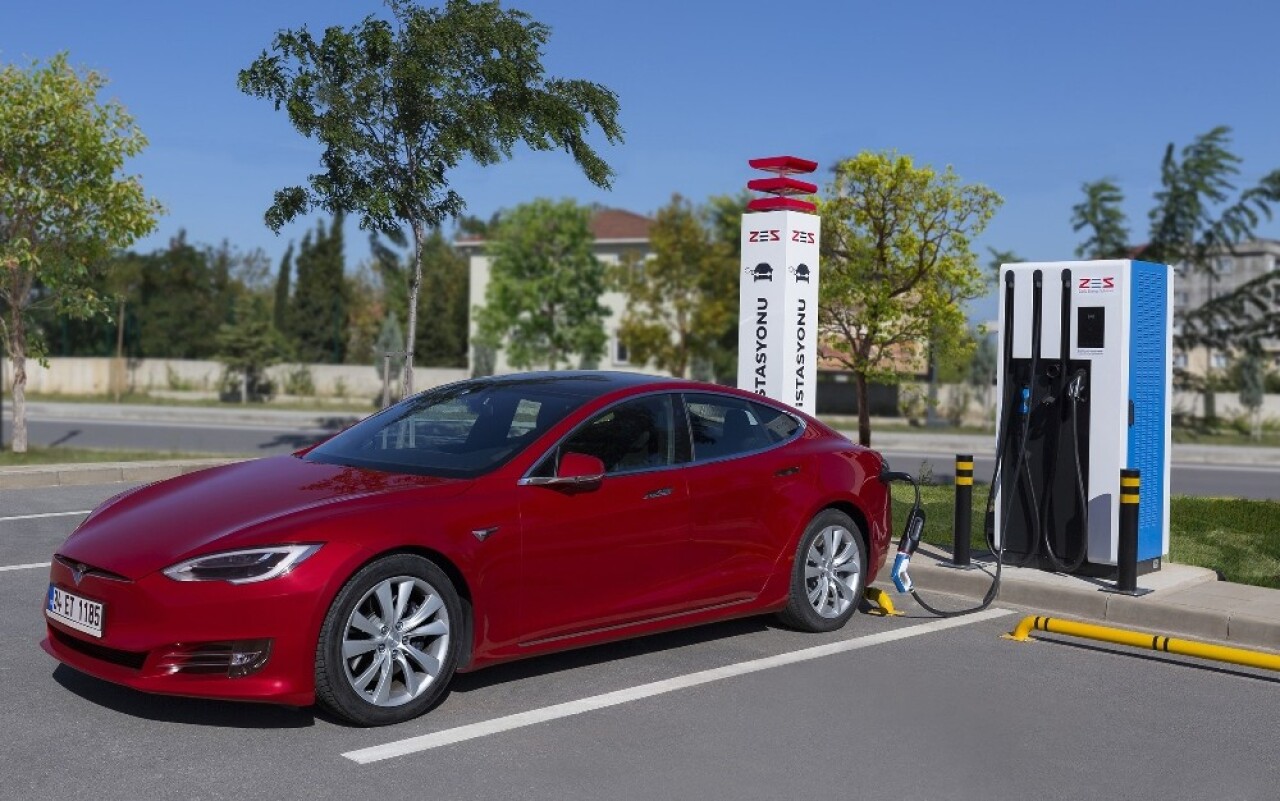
(92, 376)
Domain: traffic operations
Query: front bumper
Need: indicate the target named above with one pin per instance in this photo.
(146, 622)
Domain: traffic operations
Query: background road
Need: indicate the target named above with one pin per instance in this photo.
(1216, 480)
(956, 713)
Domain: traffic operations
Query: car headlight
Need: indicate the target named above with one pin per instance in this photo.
(242, 567)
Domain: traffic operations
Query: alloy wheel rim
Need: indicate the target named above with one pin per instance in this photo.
(395, 640)
(832, 569)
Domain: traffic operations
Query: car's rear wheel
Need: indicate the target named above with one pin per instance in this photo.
(389, 644)
(829, 574)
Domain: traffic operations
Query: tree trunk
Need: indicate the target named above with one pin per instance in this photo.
(18, 344)
(864, 410)
(414, 285)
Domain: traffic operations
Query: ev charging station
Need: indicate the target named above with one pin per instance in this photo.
(1084, 388)
(778, 287)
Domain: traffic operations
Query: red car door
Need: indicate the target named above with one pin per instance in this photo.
(615, 552)
(746, 493)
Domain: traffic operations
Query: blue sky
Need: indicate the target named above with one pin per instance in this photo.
(1029, 98)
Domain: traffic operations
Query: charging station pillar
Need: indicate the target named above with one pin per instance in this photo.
(778, 287)
(1085, 391)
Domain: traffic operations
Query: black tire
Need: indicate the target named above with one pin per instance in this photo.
(845, 581)
(384, 647)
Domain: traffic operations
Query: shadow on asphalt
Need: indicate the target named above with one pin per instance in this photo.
(326, 428)
(609, 652)
(1208, 666)
(194, 711)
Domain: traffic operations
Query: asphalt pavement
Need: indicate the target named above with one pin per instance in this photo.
(908, 707)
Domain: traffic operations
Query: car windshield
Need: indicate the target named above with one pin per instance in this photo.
(458, 431)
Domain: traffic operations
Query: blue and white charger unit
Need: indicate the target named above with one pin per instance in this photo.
(1107, 324)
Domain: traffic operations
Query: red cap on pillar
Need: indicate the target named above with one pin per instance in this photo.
(782, 187)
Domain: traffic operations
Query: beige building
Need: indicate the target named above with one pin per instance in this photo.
(1194, 288)
(619, 235)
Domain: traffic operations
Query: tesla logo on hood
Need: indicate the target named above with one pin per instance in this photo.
(78, 571)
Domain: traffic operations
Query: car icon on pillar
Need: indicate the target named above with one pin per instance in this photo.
(801, 272)
(762, 272)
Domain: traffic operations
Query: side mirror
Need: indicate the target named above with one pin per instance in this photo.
(579, 468)
(576, 470)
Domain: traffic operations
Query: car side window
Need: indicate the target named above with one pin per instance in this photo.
(636, 435)
(723, 426)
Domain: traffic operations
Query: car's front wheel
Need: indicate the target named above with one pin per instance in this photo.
(389, 644)
(829, 574)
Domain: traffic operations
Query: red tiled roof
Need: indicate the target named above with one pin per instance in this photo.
(606, 224)
(619, 224)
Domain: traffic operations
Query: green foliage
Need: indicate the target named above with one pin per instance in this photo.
(542, 303)
(390, 339)
(316, 322)
(248, 347)
(65, 203)
(396, 104)
(983, 366)
(184, 298)
(1197, 216)
(441, 338)
(897, 264)
(997, 259)
(299, 381)
(681, 301)
(1101, 214)
(280, 309)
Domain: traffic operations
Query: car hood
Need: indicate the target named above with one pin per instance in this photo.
(153, 527)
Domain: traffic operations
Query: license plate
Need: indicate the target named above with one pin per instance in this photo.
(71, 610)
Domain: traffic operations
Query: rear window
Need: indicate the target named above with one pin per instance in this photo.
(458, 431)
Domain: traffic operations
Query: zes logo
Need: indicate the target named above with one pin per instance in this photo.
(804, 237)
(1096, 284)
(768, 235)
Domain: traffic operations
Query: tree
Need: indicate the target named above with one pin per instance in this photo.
(678, 302)
(999, 258)
(897, 265)
(1253, 374)
(442, 334)
(1101, 214)
(65, 203)
(1198, 216)
(542, 303)
(318, 311)
(398, 103)
(184, 297)
(249, 346)
(280, 308)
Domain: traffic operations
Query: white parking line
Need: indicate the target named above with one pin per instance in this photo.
(46, 514)
(460, 734)
(31, 566)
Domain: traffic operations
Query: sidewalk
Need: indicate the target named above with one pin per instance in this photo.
(232, 415)
(1186, 602)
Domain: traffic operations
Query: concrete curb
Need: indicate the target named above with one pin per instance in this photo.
(1186, 601)
(57, 475)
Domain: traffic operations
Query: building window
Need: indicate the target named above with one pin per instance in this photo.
(1180, 360)
(621, 355)
(1180, 299)
(1219, 360)
(1226, 265)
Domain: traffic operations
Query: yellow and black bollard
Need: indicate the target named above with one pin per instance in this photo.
(962, 523)
(1127, 547)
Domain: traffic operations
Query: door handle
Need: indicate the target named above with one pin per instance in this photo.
(788, 471)
(658, 493)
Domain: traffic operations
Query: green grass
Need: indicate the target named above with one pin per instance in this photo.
(1239, 538)
(38, 456)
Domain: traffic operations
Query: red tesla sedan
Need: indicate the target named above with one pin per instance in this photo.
(475, 523)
